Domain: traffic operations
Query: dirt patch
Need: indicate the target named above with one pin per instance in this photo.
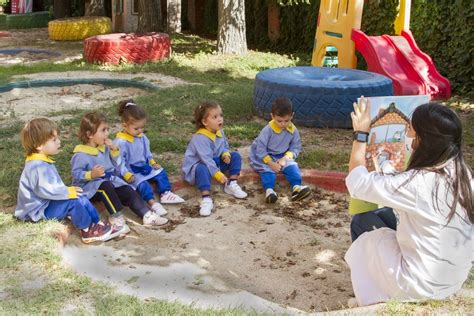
(26, 103)
(288, 253)
(38, 38)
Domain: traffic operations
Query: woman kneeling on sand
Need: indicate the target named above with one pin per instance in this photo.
(419, 246)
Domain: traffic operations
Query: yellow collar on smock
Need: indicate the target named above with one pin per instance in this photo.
(94, 151)
(209, 134)
(127, 136)
(273, 125)
(37, 156)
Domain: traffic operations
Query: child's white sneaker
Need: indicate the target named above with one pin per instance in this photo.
(170, 198)
(234, 189)
(270, 196)
(158, 209)
(206, 206)
(119, 226)
(153, 219)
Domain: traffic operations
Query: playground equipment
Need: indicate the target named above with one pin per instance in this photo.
(397, 57)
(321, 97)
(130, 48)
(74, 29)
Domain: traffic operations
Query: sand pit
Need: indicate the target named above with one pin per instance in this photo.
(26, 103)
(289, 253)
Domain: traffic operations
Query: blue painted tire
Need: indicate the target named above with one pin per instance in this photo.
(321, 97)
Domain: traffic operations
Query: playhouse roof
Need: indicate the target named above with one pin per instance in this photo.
(391, 109)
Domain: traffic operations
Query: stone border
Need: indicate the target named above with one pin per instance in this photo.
(14, 51)
(327, 180)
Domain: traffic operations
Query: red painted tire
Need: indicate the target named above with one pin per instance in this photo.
(4, 34)
(127, 48)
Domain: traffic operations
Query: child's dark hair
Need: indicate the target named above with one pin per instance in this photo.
(282, 107)
(36, 133)
(89, 125)
(201, 112)
(130, 111)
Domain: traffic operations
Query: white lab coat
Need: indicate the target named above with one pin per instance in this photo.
(425, 257)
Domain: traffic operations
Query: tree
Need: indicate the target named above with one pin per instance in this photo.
(174, 16)
(94, 8)
(61, 8)
(149, 16)
(231, 37)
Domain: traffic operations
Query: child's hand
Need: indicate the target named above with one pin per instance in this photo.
(131, 179)
(97, 171)
(282, 161)
(275, 166)
(156, 166)
(79, 191)
(223, 180)
(226, 160)
(109, 143)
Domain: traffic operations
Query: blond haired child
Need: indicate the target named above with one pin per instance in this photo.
(138, 159)
(98, 169)
(41, 192)
(208, 156)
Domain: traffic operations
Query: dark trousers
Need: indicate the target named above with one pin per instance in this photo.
(115, 198)
(366, 222)
(81, 212)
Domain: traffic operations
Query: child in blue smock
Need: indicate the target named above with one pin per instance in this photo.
(97, 167)
(275, 150)
(138, 159)
(208, 156)
(43, 195)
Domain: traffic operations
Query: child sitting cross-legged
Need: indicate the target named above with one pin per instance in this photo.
(43, 195)
(275, 150)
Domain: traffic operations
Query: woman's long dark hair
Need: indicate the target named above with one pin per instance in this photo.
(439, 139)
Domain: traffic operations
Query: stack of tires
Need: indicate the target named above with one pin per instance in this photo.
(130, 48)
(75, 29)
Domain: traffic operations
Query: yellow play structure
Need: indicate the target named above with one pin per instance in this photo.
(336, 20)
(395, 56)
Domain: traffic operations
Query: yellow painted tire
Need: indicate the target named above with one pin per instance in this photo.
(75, 29)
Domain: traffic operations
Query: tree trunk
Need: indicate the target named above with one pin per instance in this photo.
(174, 16)
(61, 8)
(231, 38)
(273, 13)
(149, 16)
(94, 8)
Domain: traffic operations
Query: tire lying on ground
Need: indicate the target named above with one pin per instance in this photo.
(321, 97)
(127, 48)
(74, 29)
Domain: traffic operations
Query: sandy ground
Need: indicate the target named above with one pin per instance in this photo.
(37, 39)
(287, 253)
(27, 103)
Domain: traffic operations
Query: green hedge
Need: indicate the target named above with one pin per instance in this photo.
(25, 21)
(444, 30)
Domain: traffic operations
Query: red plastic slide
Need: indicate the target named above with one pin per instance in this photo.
(400, 59)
